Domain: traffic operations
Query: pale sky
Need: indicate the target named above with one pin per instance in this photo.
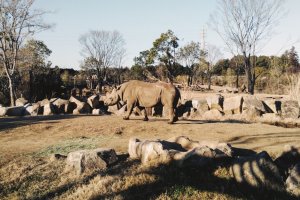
(141, 22)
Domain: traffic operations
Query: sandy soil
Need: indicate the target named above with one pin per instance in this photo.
(25, 135)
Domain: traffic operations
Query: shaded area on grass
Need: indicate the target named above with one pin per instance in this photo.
(129, 180)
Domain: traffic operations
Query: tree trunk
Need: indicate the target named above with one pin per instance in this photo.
(189, 80)
(209, 81)
(237, 79)
(11, 91)
(249, 74)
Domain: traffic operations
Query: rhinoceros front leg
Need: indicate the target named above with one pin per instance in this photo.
(172, 115)
(129, 110)
(145, 115)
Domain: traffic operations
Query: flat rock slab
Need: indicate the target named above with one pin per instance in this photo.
(90, 160)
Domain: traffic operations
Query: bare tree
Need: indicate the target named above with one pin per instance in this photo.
(18, 21)
(211, 56)
(104, 49)
(243, 25)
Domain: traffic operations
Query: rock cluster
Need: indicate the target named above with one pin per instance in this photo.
(92, 105)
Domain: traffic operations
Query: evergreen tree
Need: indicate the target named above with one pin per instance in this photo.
(293, 60)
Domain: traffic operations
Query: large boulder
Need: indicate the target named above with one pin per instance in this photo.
(257, 171)
(293, 181)
(199, 157)
(290, 109)
(15, 111)
(43, 102)
(189, 144)
(233, 105)
(3, 111)
(147, 151)
(32, 109)
(213, 114)
(271, 117)
(200, 105)
(252, 108)
(215, 102)
(93, 101)
(97, 112)
(89, 160)
(115, 108)
(251, 102)
(81, 107)
(21, 102)
(62, 105)
(49, 109)
(272, 105)
(180, 150)
(251, 114)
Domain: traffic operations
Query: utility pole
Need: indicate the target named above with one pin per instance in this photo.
(203, 53)
(203, 43)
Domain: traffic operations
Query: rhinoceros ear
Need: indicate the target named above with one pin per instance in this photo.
(118, 87)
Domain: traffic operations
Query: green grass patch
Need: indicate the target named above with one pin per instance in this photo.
(71, 145)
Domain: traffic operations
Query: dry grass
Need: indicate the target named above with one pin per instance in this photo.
(127, 180)
(294, 87)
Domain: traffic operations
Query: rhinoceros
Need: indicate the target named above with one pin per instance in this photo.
(145, 95)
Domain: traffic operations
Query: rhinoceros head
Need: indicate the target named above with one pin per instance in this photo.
(112, 98)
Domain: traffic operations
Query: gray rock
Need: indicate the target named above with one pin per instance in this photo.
(290, 109)
(3, 111)
(93, 101)
(61, 105)
(43, 102)
(81, 107)
(21, 102)
(90, 160)
(272, 105)
(251, 113)
(251, 102)
(49, 109)
(188, 144)
(200, 105)
(215, 102)
(32, 110)
(15, 111)
(181, 150)
(233, 105)
(213, 114)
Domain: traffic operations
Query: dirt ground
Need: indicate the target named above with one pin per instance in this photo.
(25, 135)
